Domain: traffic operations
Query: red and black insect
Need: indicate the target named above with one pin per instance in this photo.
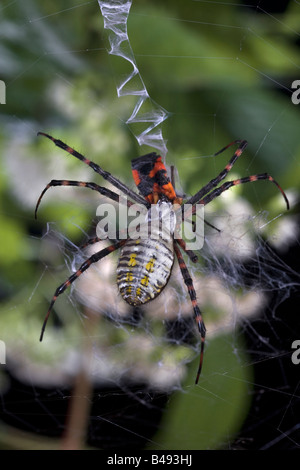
(145, 265)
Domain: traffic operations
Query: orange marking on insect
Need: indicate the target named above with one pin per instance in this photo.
(169, 191)
(253, 178)
(235, 182)
(166, 189)
(157, 166)
(156, 188)
(155, 197)
(69, 149)
(82, 183)
(149, 198)
(199, 322)
(228, 167)
(238, 152)
(136, 177)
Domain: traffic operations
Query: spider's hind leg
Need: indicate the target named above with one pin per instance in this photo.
(193, 257)
(93, 259)
(198, 316)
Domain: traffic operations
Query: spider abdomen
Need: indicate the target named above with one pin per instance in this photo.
(144, 269)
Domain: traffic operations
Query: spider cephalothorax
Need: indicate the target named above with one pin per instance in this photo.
(145, 264)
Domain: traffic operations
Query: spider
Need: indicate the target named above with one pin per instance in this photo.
(145, 266)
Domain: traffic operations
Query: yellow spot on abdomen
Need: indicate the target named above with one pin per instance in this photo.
(149, 265)
(132, 260)
(129, 277)
(145, 281)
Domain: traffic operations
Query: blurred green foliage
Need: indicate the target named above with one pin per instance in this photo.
(223, 72)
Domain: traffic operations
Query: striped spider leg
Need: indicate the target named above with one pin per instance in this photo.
(202, 196)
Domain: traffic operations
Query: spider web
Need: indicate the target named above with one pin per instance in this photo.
(187, 79)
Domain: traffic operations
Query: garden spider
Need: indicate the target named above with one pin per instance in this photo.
(145, 266)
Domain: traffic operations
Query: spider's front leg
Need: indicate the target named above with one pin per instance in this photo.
(242, 144)
(105, 174)
(210, 192)
(83, 184)
(247, 179)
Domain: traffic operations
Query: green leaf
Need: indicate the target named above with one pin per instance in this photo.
(208, 415)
